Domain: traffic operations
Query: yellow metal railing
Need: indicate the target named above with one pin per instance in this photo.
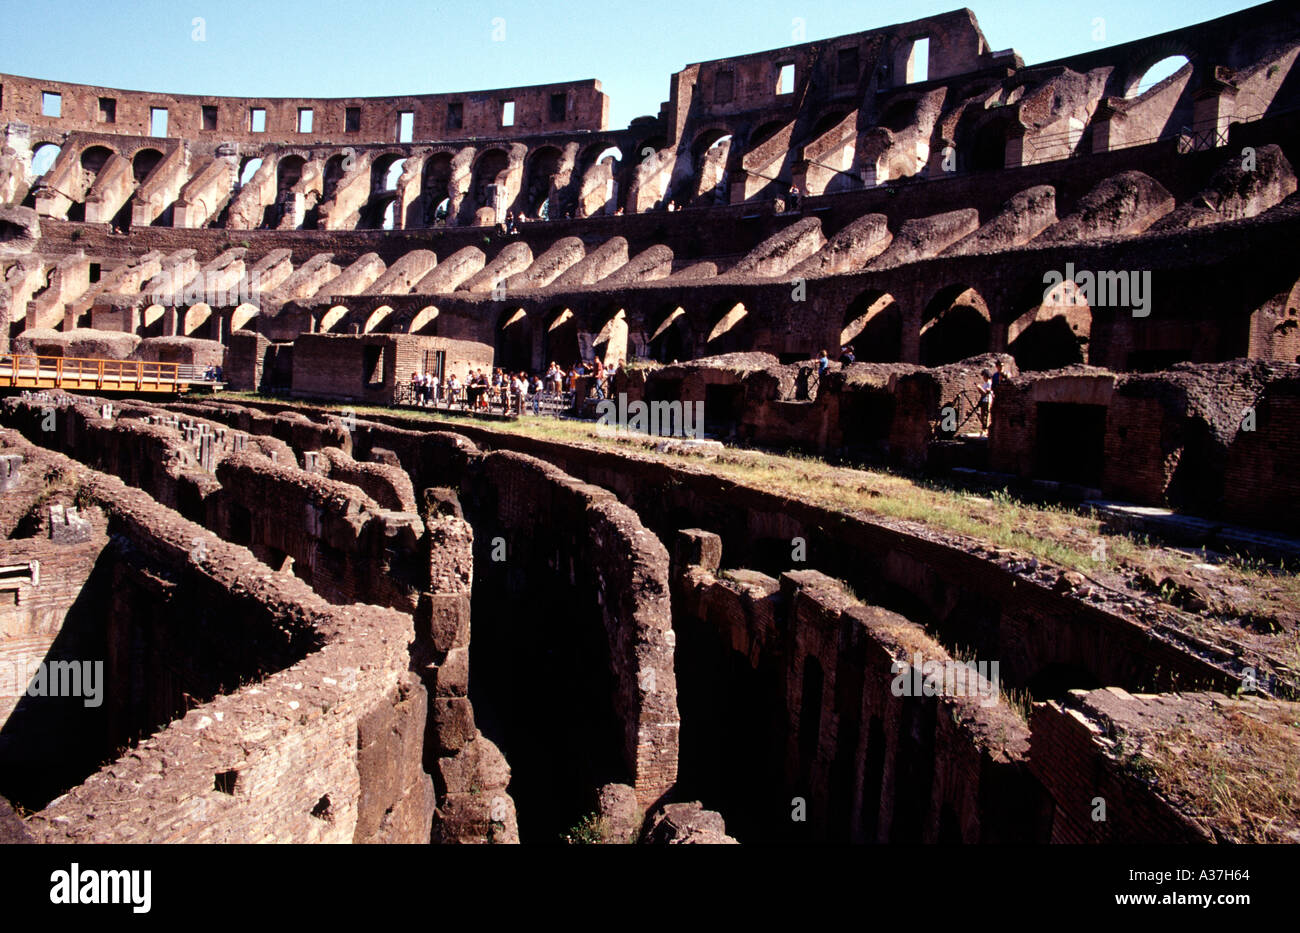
(73, 373)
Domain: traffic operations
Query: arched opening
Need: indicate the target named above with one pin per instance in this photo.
(242, 316)
(388, 220)
(1054, 334)
(594, 155)
(288, 171)
(955, 326)
(197, 317)
(731, 330)
(333, 317)
(514, 341)
(1162, 70)
(709, 155)
(384, 172)
(151, 322)
(93, 159)
(542, 168)
(486, 178)
(376, 318)
(436, 188)
(669, 343)
(43, 158)
(248, 169)
(333, 174)
(143, 163)
(560, 341)
(873, 325)
(610, 345)
(425, 321)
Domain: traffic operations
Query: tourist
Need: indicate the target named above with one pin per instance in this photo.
(795, 196)
(537, 394)
(823, 365)
(847, 356)
(986, 400)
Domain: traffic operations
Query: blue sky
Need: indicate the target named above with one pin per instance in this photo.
(291, 48)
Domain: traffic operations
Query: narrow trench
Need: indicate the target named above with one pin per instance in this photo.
(541, 684)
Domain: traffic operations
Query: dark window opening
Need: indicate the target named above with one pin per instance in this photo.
(94, 272)
(455, 116)
(558, 105)
(352, 120)
(107, 110)
(209, 118)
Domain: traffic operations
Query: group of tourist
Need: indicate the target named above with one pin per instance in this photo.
(503, 391)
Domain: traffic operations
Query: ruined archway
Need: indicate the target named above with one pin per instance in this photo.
(143, 163)
(513, 345)
(197, 320)
(610, 345)
(560, 340)
(1158, 71)
(670, 340)
(487, 176)
(243, 316)
(1055, 334)
(542, 168)
(376, 318)
(435, 189)
(731, 330)
(873, 325)
(955, 326)
(425, 321)
(44, 156)
(333, 317)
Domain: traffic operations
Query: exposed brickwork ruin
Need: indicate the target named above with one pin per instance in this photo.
(317, 623)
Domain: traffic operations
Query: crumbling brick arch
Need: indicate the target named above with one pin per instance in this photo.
(242, 316)
(490, 167)
(731, 329)
(610, 344)
(332, 318)
(425, 321)
(956, 325)
(1126, 79)
(143, 161)
(710, 151)
(542, 173)
(435, 187)
(873, 325)
(513, 341)
(378, 317)
(44, 155)
(151, 321)
(671, 337)
(560, 337)
(1055, 333)
(982, 136)
(196, 317)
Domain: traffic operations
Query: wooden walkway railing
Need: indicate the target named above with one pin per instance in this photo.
(93, 375)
